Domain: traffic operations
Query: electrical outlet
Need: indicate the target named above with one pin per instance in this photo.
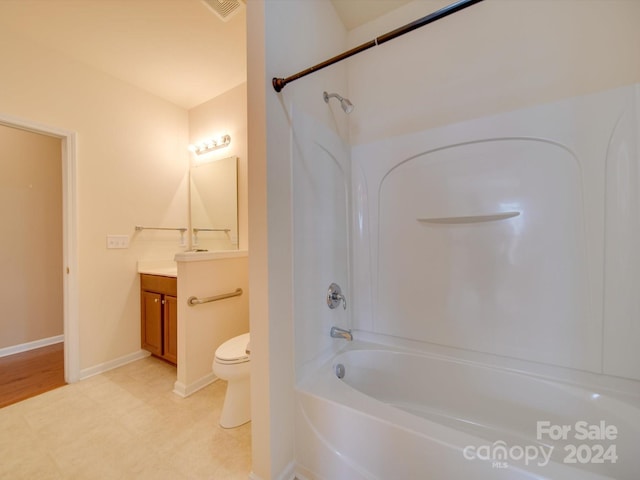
(117, 241)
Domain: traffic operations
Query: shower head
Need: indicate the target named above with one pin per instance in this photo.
(346, 105)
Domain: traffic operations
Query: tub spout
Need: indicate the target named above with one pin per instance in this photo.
(341, 333)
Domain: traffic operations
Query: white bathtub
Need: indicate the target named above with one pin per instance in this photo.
(404, 415)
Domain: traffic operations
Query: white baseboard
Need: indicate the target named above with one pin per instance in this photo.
(110, 365)
(184, 391)
(25, 347)
(289, 473)
(304, 474)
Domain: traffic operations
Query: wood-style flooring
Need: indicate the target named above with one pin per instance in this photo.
(31, 373)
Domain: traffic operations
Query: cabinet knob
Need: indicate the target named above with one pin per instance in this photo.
(155, 300)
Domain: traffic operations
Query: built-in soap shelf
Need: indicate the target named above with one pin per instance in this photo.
(492, 217)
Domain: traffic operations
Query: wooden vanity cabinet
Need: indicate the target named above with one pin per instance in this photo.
(159, 316)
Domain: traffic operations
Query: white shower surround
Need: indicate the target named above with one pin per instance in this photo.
(531, 287)
(551, 291)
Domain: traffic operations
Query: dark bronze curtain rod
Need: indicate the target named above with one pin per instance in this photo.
(280, 83)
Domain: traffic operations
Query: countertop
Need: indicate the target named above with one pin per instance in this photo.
(169, 268)
(164, 268)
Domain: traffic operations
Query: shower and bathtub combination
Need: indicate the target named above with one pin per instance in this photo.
(491, 278)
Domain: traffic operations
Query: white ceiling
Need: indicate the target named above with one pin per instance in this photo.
(176, 49)
(354, 13)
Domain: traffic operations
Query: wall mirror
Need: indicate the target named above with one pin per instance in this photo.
(214, 205)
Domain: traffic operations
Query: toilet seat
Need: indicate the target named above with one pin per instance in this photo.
(233, 351)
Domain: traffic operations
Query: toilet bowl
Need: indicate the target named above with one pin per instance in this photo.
(231, 363)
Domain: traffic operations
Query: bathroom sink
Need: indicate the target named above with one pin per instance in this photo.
(166, 269)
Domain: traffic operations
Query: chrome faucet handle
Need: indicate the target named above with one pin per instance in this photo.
(335, 297)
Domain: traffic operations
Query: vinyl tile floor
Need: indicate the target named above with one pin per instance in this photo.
(123, 424)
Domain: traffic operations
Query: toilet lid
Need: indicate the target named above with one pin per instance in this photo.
(234, 350)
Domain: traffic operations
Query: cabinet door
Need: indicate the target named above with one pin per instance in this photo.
(171, 328)
(152, 322)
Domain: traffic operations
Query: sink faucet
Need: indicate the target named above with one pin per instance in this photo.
(341, 333)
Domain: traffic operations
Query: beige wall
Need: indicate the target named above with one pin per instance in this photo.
(132, 168)
(203, 328)
(283, 38)
(30, 237)
(495, 56)
(258, 246)
(227, 114)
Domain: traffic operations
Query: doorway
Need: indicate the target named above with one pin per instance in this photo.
(65, 280)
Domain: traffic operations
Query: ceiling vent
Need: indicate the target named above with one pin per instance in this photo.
(225, 9)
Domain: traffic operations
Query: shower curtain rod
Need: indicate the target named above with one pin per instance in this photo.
(280, 83)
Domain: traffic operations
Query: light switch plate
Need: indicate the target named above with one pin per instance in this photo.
(117, 241)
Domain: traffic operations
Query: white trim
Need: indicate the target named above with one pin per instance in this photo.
(111, 364)
(289, 473)
(184, 391)
(69, 238)
(25, 347)
(32, 126)
(70, 259)
(304, 474)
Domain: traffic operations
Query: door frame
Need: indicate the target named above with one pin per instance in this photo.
(69, 238)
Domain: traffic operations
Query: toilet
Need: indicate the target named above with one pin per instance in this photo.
(231, 363)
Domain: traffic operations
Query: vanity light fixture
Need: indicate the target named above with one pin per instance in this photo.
(210, 145)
